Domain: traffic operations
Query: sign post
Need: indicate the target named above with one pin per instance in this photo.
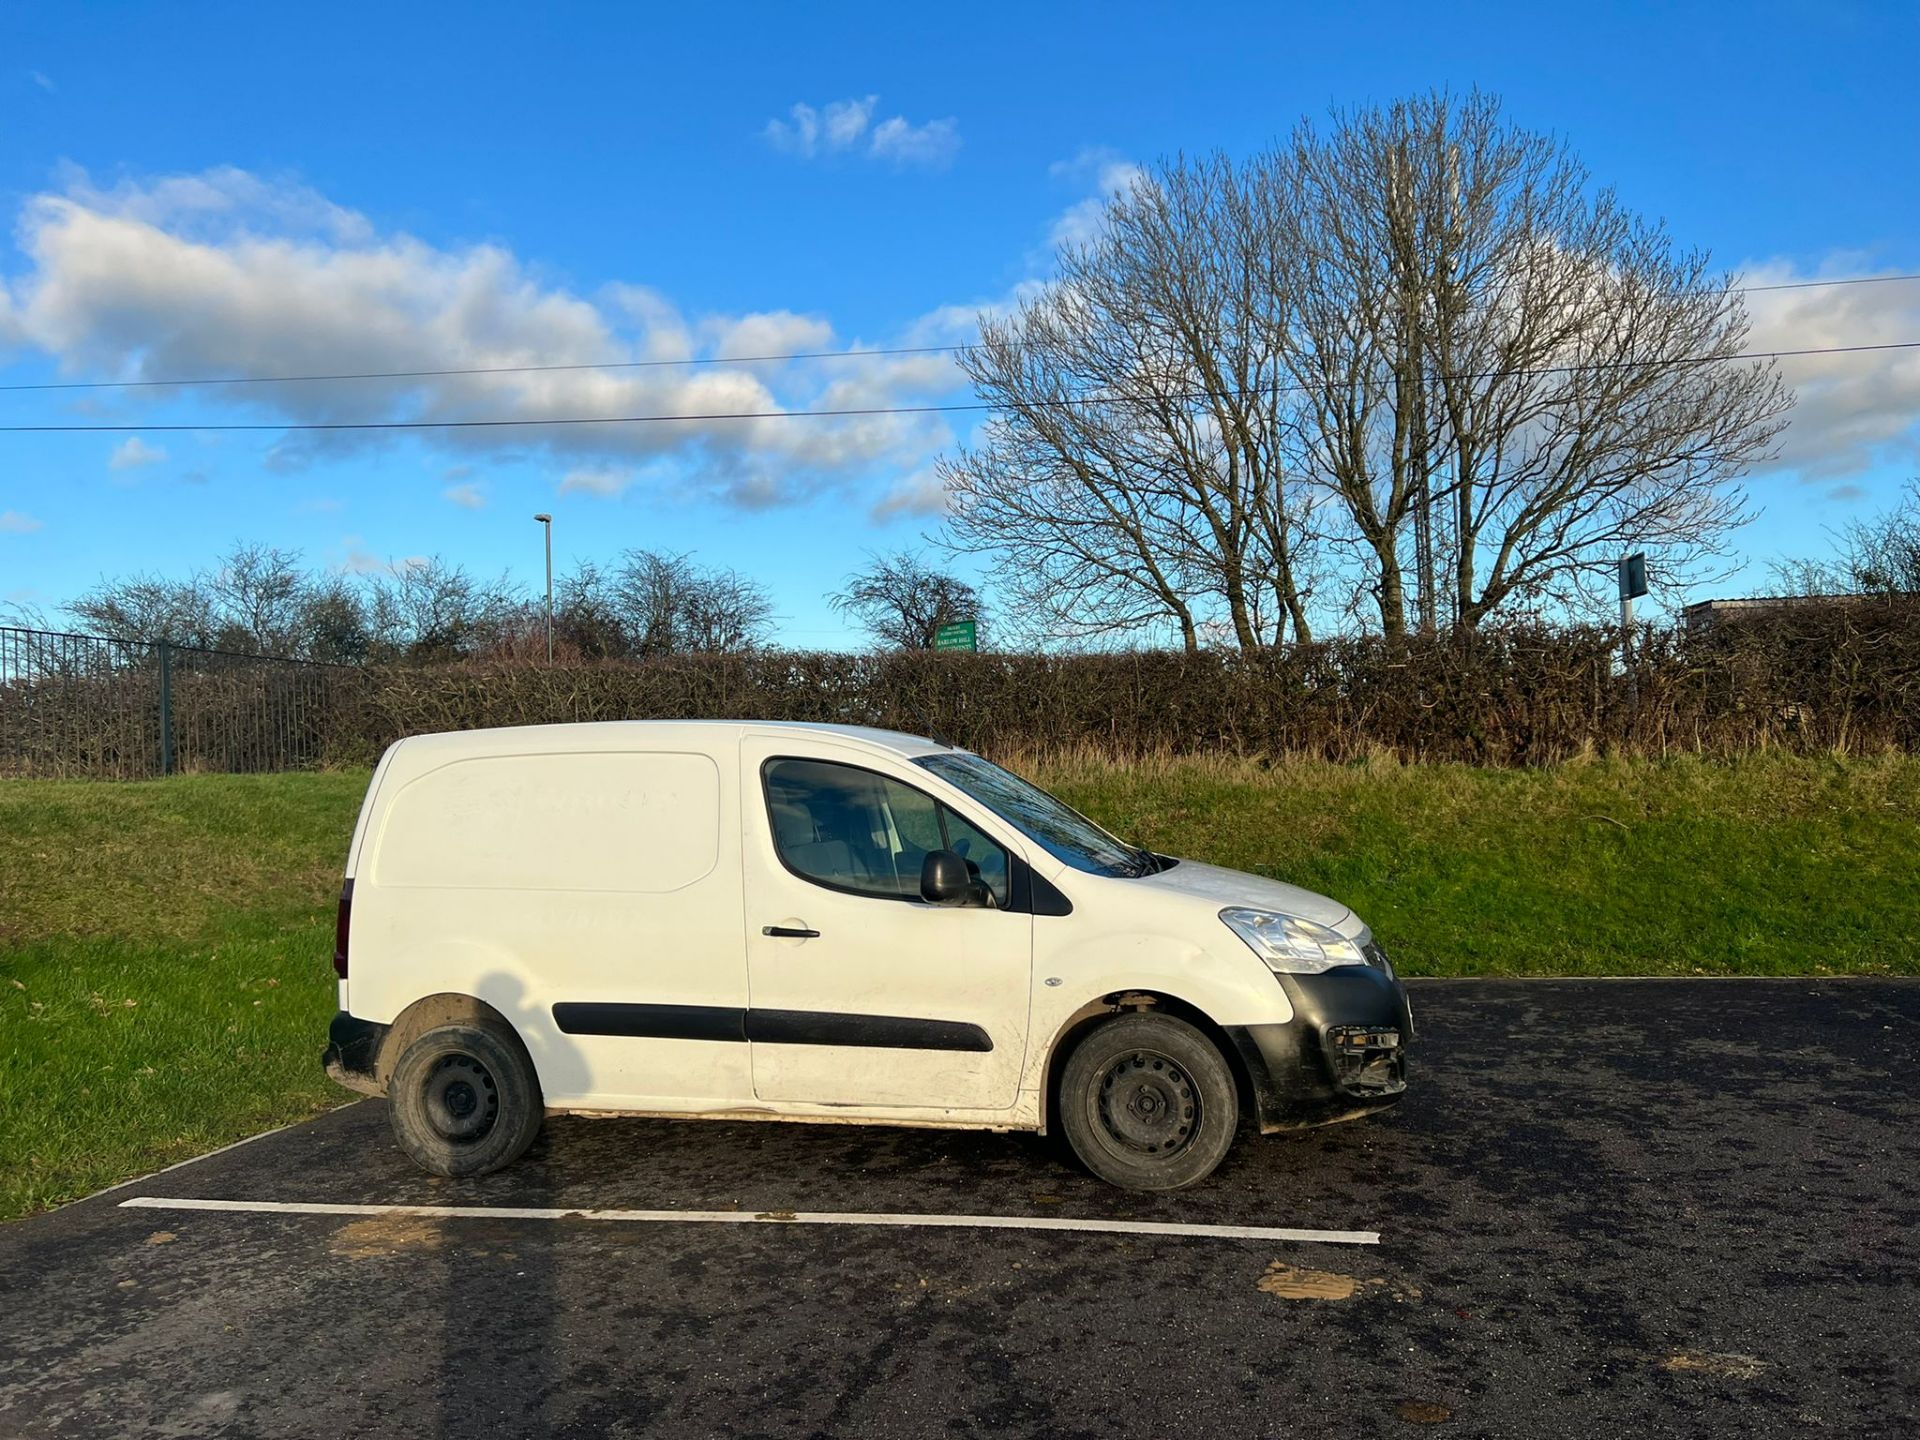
(1633, 584)
(958, 635)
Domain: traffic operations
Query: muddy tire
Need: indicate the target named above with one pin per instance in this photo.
(1148, 1103)
(464, 1099)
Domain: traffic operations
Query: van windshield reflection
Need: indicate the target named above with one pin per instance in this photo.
(1057, 827)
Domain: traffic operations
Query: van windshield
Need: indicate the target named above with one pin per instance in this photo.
(1057, 827)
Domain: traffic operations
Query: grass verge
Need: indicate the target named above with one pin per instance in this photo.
(165, 975)
(165, 986)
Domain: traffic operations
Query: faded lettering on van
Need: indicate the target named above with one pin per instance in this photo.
(635, 822)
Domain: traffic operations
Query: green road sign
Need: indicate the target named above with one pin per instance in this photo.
(957, 636)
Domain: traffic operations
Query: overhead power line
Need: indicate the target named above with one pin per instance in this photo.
(1821, 284)
(491, 369)
(957, 408)
(797, 355)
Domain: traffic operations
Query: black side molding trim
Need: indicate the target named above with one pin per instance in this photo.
(769, 1027)
(884, 1032)
(652, 1022)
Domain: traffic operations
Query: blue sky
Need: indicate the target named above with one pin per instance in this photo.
(220, 188)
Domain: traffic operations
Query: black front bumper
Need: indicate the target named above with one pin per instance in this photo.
(352, 1056)
(1343, 1053)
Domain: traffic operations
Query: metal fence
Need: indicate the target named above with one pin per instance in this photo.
(94, 706)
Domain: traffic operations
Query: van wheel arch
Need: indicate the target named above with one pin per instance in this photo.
(1089, 1017)
(430, 1011)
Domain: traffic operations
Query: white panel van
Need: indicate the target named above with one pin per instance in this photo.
(747, 920)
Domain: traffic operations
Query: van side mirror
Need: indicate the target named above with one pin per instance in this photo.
(946, 879)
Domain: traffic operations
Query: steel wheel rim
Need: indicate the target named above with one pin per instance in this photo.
(462, 1099)
(1147, 1104)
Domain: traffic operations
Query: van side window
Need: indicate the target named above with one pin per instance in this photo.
(856, 830)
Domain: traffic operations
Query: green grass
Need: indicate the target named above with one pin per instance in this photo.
(165, 986)
(165, 969)
(1771, 865)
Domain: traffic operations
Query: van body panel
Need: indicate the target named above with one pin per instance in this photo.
(624, 821)
(1119, 940)
(1216, 887)
(545, 872)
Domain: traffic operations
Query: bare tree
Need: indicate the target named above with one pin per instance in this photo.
(432, 609)
(256, 598)
(148, 607)
(587, 618)
(333, 621)
(1883, 555)
(902, 601)
(259, 598)
(1878, 556)
(1135, 474)
(1506, 377)
(1417, 345)
(667, 605)
(258, 594)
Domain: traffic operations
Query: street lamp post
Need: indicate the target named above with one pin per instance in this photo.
(547, 521)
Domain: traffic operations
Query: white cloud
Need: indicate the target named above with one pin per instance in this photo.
(1851, 412)
(799, 135)
(846, 126)
(608, 482)
(467, 496)
(1105, 173)
(356, 559)
(933, 144)
(808, 132)
(12, 522)
(844, 121)
(133, 452)
(919, 493)
(776, 332)
(43, 80)
(227, 273)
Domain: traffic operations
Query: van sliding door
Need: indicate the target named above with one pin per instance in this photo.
(860, 993)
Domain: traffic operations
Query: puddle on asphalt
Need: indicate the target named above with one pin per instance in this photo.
(385, 1235)
(1293, 1282)
(1707, 1362)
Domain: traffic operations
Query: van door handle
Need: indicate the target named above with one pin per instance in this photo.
(790, 932)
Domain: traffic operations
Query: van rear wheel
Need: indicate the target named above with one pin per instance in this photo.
(1148, 1103)
(464, 1099)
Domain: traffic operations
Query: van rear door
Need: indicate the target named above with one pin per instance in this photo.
(860, 993)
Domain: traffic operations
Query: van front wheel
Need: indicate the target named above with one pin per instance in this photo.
(1148, 1103)
(464, 1100)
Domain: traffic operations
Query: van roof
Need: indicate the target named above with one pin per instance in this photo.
(645, 734)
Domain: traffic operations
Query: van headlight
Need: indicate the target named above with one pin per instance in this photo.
(1288, 943)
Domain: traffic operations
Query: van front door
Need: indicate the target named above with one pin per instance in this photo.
(859, 992)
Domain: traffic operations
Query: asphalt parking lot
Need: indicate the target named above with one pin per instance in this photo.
(1607, 1208)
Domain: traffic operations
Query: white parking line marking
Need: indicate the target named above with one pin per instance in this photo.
(768, 1217)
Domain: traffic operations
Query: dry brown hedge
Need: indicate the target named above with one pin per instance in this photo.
(1837, 679)
(1840, 679)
